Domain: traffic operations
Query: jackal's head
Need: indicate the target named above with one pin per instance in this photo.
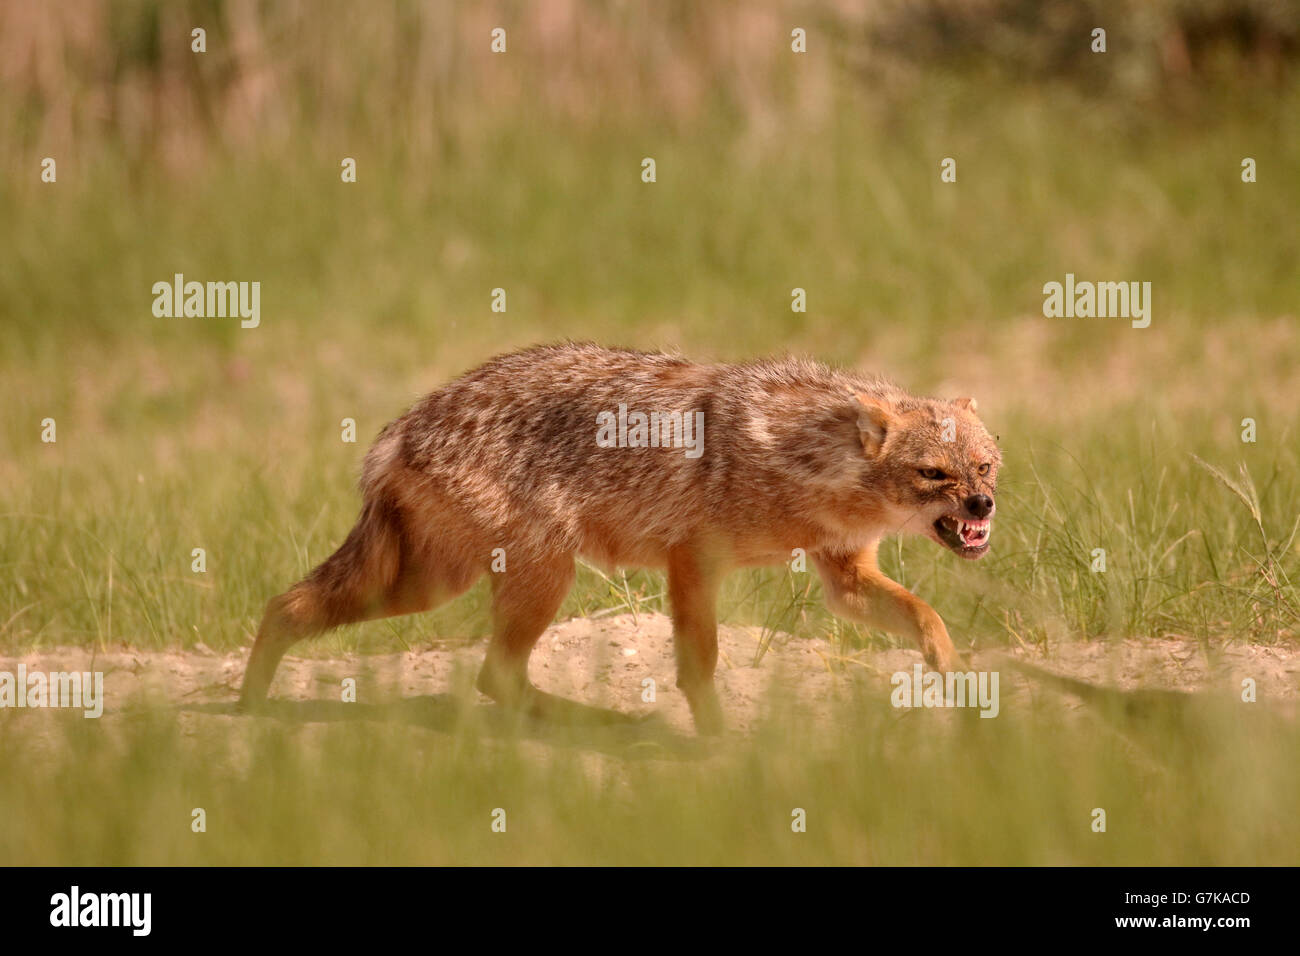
(936, 465)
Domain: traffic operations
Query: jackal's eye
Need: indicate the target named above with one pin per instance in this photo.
(934, 474)
(984, 468)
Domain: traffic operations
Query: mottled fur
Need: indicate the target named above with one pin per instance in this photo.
(795, 455)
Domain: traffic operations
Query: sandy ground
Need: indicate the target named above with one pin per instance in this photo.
(606, 662)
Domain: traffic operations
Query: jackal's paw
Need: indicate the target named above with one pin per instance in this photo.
(510, 689)
(707, 714)
(945, 660)
(250, 704)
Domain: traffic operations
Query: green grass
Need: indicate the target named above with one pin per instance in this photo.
(188, 433)
(418, 784)
(183, 433)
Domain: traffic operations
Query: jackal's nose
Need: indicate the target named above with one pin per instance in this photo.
(981, 506)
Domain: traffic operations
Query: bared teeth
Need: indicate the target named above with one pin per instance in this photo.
(970, 533)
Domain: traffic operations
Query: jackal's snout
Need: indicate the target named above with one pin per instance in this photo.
(967, 532)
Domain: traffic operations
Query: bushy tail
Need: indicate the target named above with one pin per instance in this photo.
(352, 584)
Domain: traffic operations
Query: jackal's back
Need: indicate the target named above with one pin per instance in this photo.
(515, 443)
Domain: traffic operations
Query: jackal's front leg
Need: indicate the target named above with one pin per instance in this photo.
(856, 588)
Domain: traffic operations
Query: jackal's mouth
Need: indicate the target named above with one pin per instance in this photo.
(967, 537)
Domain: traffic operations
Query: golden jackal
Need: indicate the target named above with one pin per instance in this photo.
(645, 459)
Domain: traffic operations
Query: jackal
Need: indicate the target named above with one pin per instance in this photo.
(545, 454)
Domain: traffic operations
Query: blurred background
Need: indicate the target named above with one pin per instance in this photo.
(522, 171)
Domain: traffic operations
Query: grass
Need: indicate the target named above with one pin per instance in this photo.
(419, 784)
(175, 434)
(188, 433)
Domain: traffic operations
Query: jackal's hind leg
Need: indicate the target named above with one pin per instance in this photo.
(525, 600)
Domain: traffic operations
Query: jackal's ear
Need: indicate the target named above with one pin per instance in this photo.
(966, 403)
(874, 423)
